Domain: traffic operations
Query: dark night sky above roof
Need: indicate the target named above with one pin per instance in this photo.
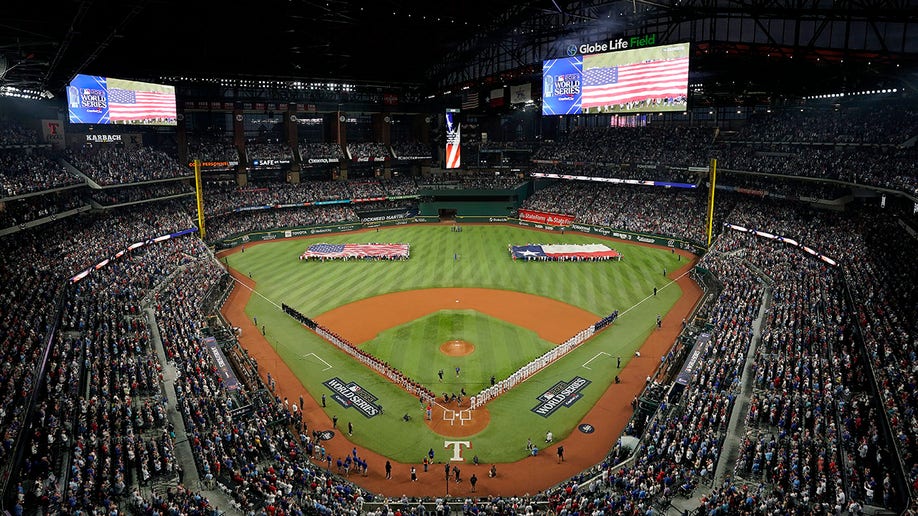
(384, 40)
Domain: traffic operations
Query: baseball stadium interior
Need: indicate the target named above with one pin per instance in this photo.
(773, 142)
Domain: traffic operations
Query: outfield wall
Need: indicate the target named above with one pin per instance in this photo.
(647, 238)
(274, 234)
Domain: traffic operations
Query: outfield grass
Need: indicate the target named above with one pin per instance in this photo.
(501, 349)
(599, 287)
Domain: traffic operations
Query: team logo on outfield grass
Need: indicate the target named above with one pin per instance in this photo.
(562, 394)
(351, 394)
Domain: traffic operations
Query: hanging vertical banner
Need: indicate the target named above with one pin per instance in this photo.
(452, 139)
(520, 94)
(497, 97)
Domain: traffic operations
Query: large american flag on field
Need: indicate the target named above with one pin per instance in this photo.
(139, 105)
(635, 82)
(356, 251)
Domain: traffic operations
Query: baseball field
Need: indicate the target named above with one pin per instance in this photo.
(457, 315)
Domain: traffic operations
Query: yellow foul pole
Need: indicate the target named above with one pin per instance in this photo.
(713, 180)
(199, 196)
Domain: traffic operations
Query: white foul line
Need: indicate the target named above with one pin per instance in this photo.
(650, 296)
(594, 358)
(256, 292)
(320, 359)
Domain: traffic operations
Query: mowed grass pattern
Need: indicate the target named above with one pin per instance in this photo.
(500, 349)
(315, 287)
(599, 287)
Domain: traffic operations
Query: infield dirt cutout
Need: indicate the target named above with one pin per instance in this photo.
(528, 475)
(457, 348)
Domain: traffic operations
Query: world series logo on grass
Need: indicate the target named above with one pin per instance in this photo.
(351, 394)
(561, 394)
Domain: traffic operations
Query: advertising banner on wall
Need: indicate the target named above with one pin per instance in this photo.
(552, 219)
(453, 141)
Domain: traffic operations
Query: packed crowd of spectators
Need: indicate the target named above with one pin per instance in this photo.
(645, 209)
(375, 150)
(399, 185)
(852, 145)
(212, 148)
(100, 419)
(320, 151)
(23, 172)
(267, 150)
(792, 440)
(483, 180)
(365, 189)
(14, 134)
(224, 197)
(813, 439)
(262, 455)
(888, 167)
(24, 210)
(245, 221)
(682, 443)
(642, 172)
(111, 164)
(774, 187)
(141, 193)
(96, 236)
(492, 145)
(878, 124)
(657, 145)
(814, 429)
(411, 150)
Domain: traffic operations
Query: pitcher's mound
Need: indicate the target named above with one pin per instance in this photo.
(456, 348)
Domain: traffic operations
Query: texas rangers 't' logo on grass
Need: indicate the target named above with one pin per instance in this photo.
(561, 394)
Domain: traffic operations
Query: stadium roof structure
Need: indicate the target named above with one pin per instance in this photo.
(740, 47)
(42, 45)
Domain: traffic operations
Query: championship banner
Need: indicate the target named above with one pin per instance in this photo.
(693, 363)
(497, 97)
(53, 132)
(552, 219)
(521, 93)
(227, 377)
(453, 143)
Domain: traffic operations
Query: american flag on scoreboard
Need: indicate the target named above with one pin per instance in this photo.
(635, 82)
(356, 251)
(139, 105)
